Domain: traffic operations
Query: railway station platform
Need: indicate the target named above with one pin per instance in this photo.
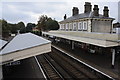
(94, 42)
(27, 69)
(98, 61)
(93, 38)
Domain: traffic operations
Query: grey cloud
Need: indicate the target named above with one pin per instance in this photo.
(12, 15)
(21, 11)
(15, 11)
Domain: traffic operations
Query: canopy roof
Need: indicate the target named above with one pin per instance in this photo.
(2, 43)
(23, 41)
(85, 15)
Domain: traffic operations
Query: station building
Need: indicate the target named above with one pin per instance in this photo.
(89, 21)
(116, 28)
(90, 31)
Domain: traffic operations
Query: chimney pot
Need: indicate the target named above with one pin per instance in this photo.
(96, 10)
(65, 17)
(106, 11)
(87, 7)
(75, 11)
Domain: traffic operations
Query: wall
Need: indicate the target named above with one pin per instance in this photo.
(101, 26)
(119, 11)
(22, 54)
(74, 26)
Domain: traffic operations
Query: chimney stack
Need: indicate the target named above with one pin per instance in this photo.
(18, 32)
(88, 7)
(96, 10)
(65, 17)
(106, 11)
(75, 11)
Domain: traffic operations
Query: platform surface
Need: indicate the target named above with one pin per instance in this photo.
(26, 70)
(98, 39)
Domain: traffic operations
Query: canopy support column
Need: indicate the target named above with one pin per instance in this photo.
(113, 58)
(72, 44)
(1, 73)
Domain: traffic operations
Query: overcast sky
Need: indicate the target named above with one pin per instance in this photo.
(29, 11)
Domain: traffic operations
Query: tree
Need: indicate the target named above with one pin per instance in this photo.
(20, 25)
(52, 25)
(46, 23)
(14, 27)
(5, 28)
(42, 22)
(29, 27)
(8, 28)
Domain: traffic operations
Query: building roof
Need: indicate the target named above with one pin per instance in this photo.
(2, 43)
(85, 15)
(23, 41)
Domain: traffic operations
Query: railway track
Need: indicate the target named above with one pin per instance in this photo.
(59, 66)
(88, 70)
(50, 72)
(70, 66)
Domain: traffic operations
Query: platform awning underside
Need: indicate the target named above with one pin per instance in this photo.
(98, 39)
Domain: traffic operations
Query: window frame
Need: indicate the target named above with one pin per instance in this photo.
(85, 27)
(79, 26)
(74, 26)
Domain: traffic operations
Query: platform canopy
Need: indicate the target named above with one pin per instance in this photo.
(98, 39)
(24, 46)
(2, 43)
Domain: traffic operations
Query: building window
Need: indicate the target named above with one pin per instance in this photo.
(85, 26)
(62, 26)
(74, 26)
(80, 26)
(67, 27)
(70, 26)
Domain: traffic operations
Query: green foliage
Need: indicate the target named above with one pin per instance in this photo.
(20, 25)
(42, 22)
(39, 33)
(29, 27)
(52, 25)
(5, 28)
(45, 23)
(8, 28)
